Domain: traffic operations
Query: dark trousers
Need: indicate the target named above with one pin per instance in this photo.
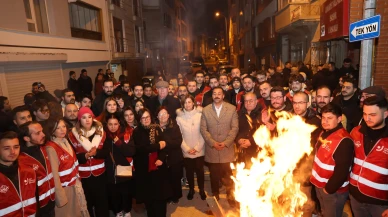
(220, 172)
(332, 205)
(120, 196)
(175, 174)
(195, 165)
(156, 208)
(96, 196)
(366, 210)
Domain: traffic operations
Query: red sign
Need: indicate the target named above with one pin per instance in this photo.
(334, 19)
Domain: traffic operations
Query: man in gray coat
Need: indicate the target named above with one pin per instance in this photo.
(219, 127)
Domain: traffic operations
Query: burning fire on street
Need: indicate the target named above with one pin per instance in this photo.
(270, 187)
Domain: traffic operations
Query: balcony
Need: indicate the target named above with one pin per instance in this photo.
(124, 48)
(297, 15)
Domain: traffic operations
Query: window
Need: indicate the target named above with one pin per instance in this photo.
(183, 14)
(135, 6)
(170, 3)
(272, 28)
(36, 15)
(117, 3)
(137, 38)
(183, 30)
(167, 21)
(184, 46)
(85, 21)
(120, 43)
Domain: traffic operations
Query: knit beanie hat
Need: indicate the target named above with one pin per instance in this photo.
(84, 110)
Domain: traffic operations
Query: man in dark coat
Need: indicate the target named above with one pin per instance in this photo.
(72, 84)
(40, 92)
(249, 119)
(325, 77)
(163, 99)
(85, 83)
(286, 73)
(98, 103)
(276, 78)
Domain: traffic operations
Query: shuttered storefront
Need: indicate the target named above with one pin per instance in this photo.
(19, 79)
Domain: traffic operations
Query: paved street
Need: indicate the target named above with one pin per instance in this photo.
(186, 208)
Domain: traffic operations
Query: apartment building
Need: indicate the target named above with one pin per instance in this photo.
(168, 34)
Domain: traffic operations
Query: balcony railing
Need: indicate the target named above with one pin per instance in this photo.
(122, 45)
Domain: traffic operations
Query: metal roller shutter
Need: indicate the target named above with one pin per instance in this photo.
(19, 78)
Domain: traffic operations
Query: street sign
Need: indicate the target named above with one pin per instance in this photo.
(365, 29)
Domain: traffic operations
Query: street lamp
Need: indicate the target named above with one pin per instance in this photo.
(218, 14)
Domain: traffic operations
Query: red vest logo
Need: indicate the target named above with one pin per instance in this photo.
(29, 181)
(357, 144)
(35, 167)
(64, 157)
(4, 189)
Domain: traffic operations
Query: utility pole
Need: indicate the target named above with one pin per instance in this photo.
(365, 79)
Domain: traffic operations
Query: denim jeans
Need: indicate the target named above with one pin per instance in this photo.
(366, 210)
(332, 205)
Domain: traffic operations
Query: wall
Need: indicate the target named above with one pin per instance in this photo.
(381, 56)
(356, 10)
(12, 15)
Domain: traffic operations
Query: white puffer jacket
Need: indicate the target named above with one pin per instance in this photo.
(190, 123)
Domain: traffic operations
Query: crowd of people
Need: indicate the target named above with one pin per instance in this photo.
(70, 154)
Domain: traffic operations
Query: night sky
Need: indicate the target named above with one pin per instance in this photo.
(204, 18)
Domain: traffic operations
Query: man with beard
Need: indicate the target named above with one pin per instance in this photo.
(296, 85)
(33, 154)
(235, 72)
(313, 99)
(182, 92)
(348, 70)
(207, 98)
(5, 113)
(70, 115)
(368, 194)
(349, 103)
(279, 100)
(223, 80)
(98, 103)
(192, 88)
(333, 159)
(219, 127)
(265, 91)
(231, 94)
(125, 91)
(261, 76)
(171, 90)
(18, 181)
(275, 77)
(138, 95)
(68, 97)
(148, 93)
(163, 99)
(249, 86)
(249, 119)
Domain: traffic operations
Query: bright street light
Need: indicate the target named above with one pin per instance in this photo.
(217, 14)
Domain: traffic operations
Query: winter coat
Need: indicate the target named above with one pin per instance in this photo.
(189, 123)
(85, 85)
(173, 138)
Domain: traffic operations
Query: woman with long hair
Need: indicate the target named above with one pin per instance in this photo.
(139, 105)
(69, 195)
(189, 121)
(152, 184)
(120, 144)
(120, 102)
(86, 101)
(173, 138)
(110, 107)
(130, 118)
(86, 137)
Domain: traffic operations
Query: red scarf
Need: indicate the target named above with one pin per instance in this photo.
(120, 138)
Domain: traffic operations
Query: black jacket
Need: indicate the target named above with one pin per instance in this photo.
(72, 84)
(120, 154)
(173, 138)
(153, 185)
(231, 96)
(276, 80)
(85, 85)
(245, 131)
(98, 104)
(45, 95)
(325, 77)
(170, 102)
(286, 76)
(351, 109)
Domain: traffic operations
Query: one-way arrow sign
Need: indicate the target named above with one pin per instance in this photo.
(365, 29)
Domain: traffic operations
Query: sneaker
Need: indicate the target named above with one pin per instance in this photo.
(128, 214)
(120, 214)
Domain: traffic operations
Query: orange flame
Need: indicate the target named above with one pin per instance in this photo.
(268, 188)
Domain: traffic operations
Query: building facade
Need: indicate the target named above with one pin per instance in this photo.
(44, 40)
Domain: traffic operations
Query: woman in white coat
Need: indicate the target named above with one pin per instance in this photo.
(189, 121)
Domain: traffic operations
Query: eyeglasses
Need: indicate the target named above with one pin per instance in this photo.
(162, 115)
(298, 103)
(249, 101)
(145, 118)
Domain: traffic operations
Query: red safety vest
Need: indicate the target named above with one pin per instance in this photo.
(199, 99)
(92, 166)
(239, 97)
(323, 167)
(68, 165)
(46, 186)
(14, 203)
(370, 172)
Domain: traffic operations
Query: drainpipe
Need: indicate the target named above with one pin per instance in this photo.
(365, 79)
